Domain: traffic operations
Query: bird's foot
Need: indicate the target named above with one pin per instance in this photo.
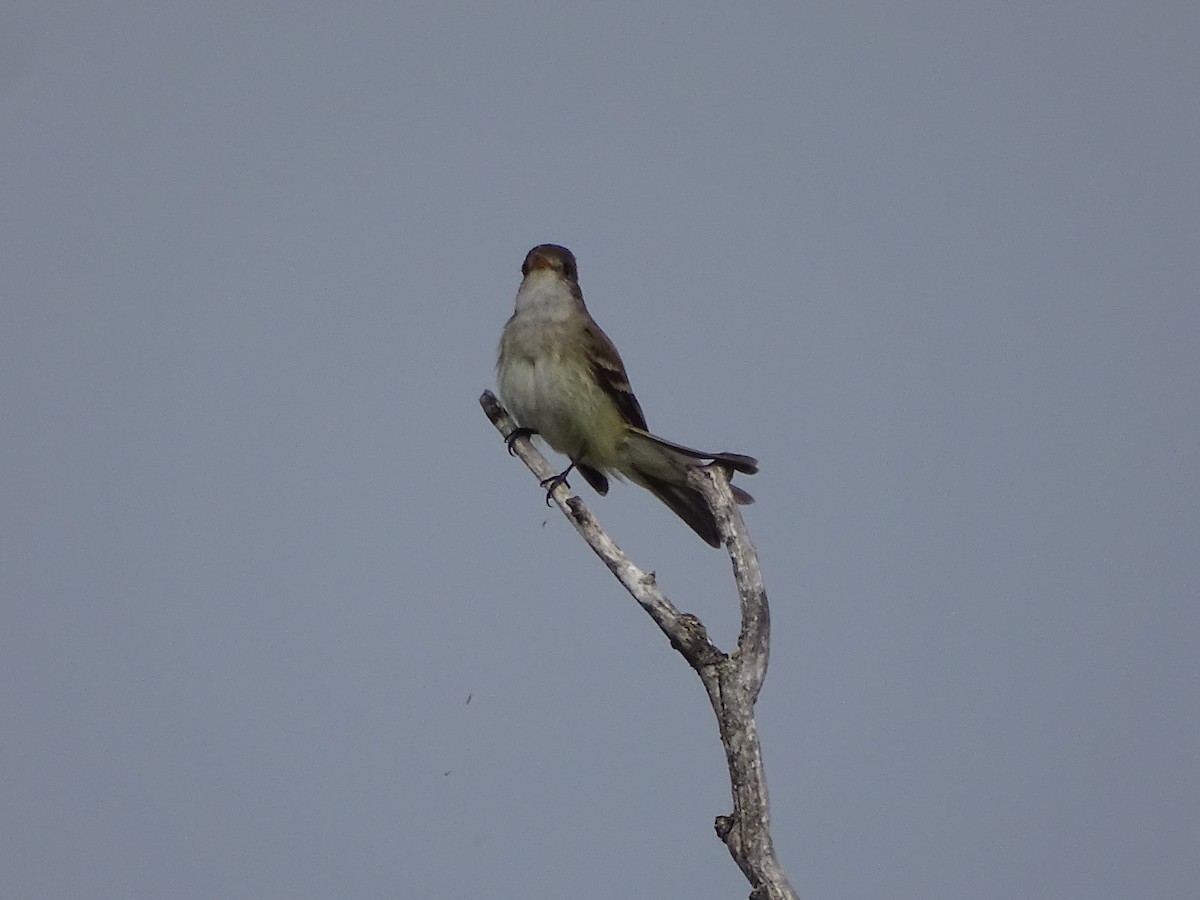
(517, 433)
(551, 484)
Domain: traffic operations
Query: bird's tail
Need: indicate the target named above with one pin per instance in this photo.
(739, 462)
(661, 467)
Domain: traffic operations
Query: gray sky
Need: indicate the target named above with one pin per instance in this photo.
(935, 264)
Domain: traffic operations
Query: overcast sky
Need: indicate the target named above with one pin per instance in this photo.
(934, 264)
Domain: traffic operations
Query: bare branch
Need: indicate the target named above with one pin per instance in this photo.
(732, 681)
(754, 640)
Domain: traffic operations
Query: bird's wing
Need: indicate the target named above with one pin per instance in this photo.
(609, 372)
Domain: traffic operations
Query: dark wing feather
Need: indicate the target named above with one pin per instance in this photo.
(609, 372)
(594, 477)
(689, 505)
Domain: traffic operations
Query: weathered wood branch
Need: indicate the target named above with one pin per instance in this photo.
(732, 681)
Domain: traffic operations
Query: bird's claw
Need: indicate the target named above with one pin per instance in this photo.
(552, 483)
(514, 435)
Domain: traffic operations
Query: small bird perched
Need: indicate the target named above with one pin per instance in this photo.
(561, 377)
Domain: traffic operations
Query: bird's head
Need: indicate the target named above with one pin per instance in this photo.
(553, 257)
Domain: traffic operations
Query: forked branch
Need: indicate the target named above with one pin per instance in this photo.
(732, 681)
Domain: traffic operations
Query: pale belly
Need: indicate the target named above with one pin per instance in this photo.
(565, 406)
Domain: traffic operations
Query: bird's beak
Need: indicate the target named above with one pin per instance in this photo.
(539, 260)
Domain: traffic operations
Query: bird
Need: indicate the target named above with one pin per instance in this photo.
(561, 377)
